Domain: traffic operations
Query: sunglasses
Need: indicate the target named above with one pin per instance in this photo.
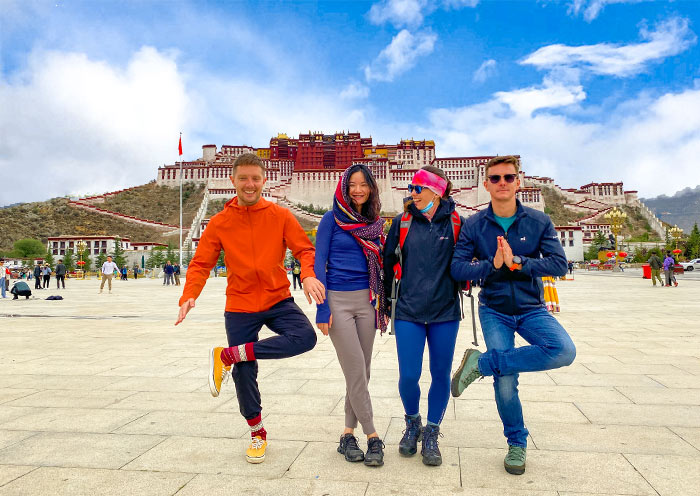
(496, 178)
(417, 189)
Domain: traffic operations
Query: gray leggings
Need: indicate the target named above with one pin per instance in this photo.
(352, 335)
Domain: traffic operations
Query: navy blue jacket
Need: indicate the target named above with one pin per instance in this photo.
(427, 292)
(532, 236)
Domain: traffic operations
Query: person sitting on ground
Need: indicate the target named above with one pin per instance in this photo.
(21, 288)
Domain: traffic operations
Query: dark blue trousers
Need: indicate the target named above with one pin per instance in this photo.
(295, 335)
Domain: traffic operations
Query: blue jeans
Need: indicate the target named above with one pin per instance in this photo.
(550, 348)
(410, 343)
(2, 283)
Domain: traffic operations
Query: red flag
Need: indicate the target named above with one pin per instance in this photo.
(179, 146)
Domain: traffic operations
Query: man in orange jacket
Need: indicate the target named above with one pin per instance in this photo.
(254, 234)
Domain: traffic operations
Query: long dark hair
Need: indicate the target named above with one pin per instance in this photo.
(371, 208)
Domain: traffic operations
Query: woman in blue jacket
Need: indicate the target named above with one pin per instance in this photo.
(427, 305)
(348, 263)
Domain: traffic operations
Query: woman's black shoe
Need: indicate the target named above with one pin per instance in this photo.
(431, 452)
(348, 447)
(411, 436)
(375, 452)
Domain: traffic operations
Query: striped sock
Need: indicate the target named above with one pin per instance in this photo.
(256, 427)
(240, 353)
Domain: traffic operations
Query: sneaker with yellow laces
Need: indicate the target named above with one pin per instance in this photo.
(256, 451)
(217, 371)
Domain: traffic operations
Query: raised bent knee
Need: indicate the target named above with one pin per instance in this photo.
(566, 355)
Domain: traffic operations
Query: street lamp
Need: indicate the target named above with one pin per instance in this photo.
(617, 218)
(676, 232)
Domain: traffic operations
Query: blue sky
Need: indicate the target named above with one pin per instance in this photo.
(93, 94)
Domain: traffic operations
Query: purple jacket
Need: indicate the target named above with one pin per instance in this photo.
(669, 262)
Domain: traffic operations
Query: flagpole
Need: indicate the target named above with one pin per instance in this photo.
(180, 151)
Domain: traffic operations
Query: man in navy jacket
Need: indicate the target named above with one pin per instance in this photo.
(508, 248)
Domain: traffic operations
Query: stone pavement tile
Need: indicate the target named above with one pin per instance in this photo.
(678, 381)
(309, 360)
(657, 359)
(8, 413)
(691, 368)
(571, 393)
(17, 380)
(292, 404)
(377, 387)
(630, 368)
(146, 371)
(457, 433)
(66, 369)
(593, 438)
(652, 415)
(290, 373)
(8, 438)
(72, 398)
(283, 386)
(321, 428)
(222, 485)
(392, 407)
(11, 472)
(542, 411)
(563, 379)
(64, 449)
(690, 434)
(669, 475)
(195, 424)
(172, 401)
(8, 394)
(598, 473)
(586, 358)
(88, 482)
(176, 384)
(217, 456)
(322, 461)
(467, 490)
(86, 382)
(71, 419)
(656, 396)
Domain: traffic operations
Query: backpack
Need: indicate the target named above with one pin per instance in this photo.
(296, 270)
(465, 286)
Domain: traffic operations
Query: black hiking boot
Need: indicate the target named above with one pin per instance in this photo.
(375, 452)
(430, 451)
(348, 447)
(413, 433)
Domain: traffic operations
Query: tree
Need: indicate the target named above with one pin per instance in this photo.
(101, 259)
(48, 258)
(157, 258)
(118, 253)
(86, 258)
(171, 255)
(692, 246)
(187, 255)
(29, 248)
(68, 261)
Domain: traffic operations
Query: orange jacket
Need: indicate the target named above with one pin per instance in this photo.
(254, 240)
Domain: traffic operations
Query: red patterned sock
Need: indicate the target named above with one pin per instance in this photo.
(256, 427)
(240, 353)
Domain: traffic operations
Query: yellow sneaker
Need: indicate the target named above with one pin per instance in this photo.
(256, 452)
(217, 371)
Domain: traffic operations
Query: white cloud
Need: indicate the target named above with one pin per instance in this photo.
(485, 71)
(75, 125)
(354, 90)
(669, 38)
(551, 94)
(400, 55)
(638, 143)
(591, 8)
(400, 13)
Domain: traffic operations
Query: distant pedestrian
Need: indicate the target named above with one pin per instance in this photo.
(37, 276)
(570, 266)
(136, 271)
(296, 274)
(655, 264)
(2, 271)
(168, 270)
(60, 275)
(669, 262)
(124, 272)
(107, 271)
(176, 274)
(6, 278)
(46, 272)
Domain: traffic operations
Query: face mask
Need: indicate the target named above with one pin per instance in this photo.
(428, 207)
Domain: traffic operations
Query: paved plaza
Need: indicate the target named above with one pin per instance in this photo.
(100, 394)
